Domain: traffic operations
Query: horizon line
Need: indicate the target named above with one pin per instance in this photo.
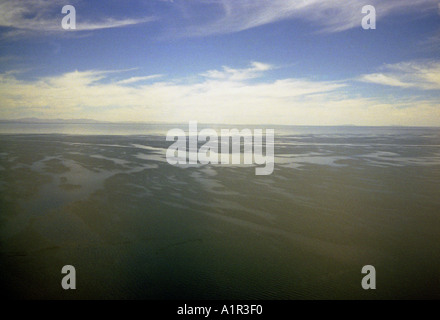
(35, 120)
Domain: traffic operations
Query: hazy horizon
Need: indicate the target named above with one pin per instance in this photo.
(42, 121)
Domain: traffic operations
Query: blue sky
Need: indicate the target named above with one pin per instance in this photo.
(233, 61)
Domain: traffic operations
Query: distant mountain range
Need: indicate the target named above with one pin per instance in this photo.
(38, 120)
(92, 121)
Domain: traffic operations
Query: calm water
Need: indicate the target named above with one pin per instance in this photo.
(103, 199)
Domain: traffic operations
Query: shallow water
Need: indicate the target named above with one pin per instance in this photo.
(136, 227)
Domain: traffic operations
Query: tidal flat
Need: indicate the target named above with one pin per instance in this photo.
(136, 227)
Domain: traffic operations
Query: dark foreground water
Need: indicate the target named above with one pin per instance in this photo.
(136, 227)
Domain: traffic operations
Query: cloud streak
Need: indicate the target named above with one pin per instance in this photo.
(228, 95)
(414, 74)
(328, 16)
(254, 71)
(26, 17)
(139, 79)
(198, 18)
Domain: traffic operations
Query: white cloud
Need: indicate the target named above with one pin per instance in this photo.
(207, 17)
(220, 96)
(423, 75)
(35, 16)
(108, 23)
(139, 79)
(231, 74)
(329, 16)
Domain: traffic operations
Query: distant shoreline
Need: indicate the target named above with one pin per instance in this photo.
(97, 122)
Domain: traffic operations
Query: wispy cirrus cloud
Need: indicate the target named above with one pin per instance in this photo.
(108, 23)
(328, 16)
(254, 71)
(227, 95)
(424, 75)
(30, 17)
(199, 18)
(139, 79)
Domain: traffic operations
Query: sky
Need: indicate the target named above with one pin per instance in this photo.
(291, 62)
